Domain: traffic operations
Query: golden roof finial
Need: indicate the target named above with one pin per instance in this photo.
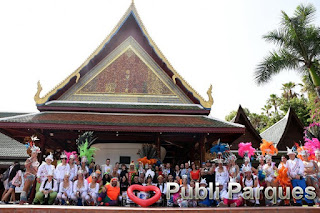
(132, 1)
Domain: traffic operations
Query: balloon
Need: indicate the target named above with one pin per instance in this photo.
(147, 202)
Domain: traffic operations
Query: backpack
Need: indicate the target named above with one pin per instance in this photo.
(5, 175)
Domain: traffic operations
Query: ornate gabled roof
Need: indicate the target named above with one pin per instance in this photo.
(277, 132)
(242, 118)
(251, 134)
(129, 40)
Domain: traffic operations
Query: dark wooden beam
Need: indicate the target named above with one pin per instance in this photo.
(173, 143)
(202, 149)
(158, 144)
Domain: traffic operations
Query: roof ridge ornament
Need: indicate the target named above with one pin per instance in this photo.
(37, 98)
(209, 102)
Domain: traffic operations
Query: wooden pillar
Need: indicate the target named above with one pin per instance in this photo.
(202, 147)
(158, 145)
(42, 147)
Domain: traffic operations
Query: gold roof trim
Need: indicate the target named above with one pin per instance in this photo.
(203, 102)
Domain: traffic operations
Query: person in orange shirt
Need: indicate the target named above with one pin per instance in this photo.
(110, 193)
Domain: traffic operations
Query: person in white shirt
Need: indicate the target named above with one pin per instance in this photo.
(222, 174)
(150, 172)
(117, 165)
(44, 168)
(48, 191)
(163, 187)
(65, 190)
(80, 189)
(250, 180)
(106, 168)
(219, 197)
(237, 198)
(73, 168)
(93, 190)
(61, 169)
(295, 172)
(246, 164)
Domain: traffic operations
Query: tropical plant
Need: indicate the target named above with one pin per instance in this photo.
(275, 102)
(288, 90)
(86, 137)
(149, 151)
(266, 109)
(299, 47)
(84, 142)
(300, 106)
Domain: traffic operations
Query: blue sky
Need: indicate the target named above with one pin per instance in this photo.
(206, 41)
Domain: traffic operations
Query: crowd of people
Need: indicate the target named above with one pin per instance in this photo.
(74, 181)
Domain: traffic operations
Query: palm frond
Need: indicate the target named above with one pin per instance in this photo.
(277, 37)
(273, 64)
(149, 151)
(86, 137)
(305, 14)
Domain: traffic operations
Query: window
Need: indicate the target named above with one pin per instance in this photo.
(125, 159)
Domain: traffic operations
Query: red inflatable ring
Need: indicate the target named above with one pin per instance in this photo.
(147, 202)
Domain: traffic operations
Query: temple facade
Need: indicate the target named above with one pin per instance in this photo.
(128, 94)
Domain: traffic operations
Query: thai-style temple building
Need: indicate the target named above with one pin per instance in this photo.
(250, 135)
(286, 132)
(128, 94)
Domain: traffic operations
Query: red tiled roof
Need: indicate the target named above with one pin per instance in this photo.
(121, 122)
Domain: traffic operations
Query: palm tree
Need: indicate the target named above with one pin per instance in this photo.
(299, 47)
(274, 101)
(266, 109)
(288, 92)
(256, 120)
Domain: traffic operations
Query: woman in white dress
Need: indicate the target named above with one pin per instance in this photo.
(93, 190)
(61, 169)
(65, 190)
(246, 165)
(233, 167)
(222, 174)
(310, 172)
(80, 188)
(73, 168)
(270, 169)
(83, 167)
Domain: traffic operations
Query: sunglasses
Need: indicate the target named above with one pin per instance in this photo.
(63, 158)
